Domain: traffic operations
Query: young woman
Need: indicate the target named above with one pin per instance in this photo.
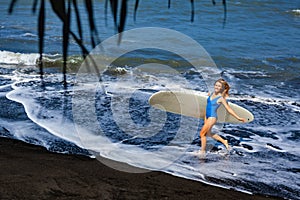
(218, 97)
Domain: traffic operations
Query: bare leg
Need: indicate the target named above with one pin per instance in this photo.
(218, 138)
(208, 124)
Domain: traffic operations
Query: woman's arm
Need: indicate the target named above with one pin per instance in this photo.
(229, 109)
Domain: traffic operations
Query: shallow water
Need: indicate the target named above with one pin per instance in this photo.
(257, 52)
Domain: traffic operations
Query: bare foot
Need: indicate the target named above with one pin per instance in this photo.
(226, 145)
(202, 154)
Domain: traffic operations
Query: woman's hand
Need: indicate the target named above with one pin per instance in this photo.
(242, 119)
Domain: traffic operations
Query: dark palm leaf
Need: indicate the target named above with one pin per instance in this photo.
(135, 9)
(34, 5)
(192, 11)
(225, 11)
(94, 33)
(59, 8)
(78, 20)
(105, 11)
(66, 30)
(123, 15)
(41, 33)
(114, 10)
(11, 6)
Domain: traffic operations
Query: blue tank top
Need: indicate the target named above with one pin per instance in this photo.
(212, 107)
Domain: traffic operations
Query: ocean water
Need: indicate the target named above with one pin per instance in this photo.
(257, 52)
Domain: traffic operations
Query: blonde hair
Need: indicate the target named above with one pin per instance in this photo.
(225, 86)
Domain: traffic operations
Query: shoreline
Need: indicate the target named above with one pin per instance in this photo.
(31, 172)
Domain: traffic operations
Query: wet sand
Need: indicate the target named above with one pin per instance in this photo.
(31, 172)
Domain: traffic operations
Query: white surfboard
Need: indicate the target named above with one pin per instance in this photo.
(191, 104)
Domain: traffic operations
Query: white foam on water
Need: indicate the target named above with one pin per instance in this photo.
(7, 57)
(295, 12)
(31, 59)
(177, 159)
(52, 120)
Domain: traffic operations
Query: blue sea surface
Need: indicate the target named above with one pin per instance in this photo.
(256, 50)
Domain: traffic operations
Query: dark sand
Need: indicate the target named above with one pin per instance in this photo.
(31, 172)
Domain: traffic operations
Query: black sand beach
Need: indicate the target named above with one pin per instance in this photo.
(32, 172)
(256, 51)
